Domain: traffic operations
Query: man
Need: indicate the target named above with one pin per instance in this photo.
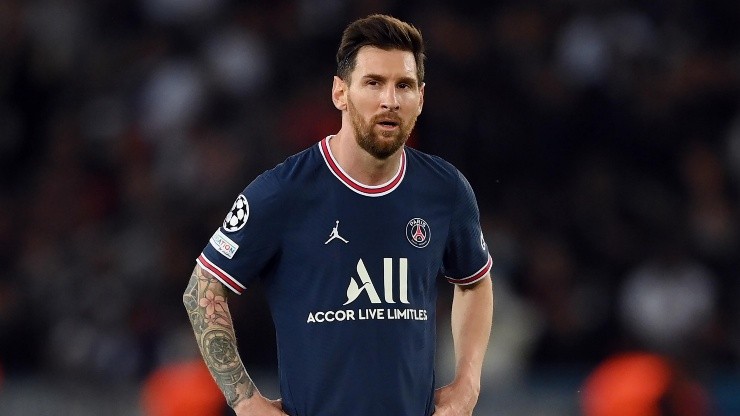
(350, 238)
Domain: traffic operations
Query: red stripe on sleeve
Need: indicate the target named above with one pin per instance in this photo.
(221, 275)
(476, 276)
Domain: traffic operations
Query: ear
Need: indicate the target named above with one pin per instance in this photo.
(421, 97)
(339, 93)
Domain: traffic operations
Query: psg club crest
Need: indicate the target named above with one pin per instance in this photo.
(237, 216)
(418, 233)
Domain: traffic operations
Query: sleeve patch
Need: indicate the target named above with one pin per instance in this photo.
(224, 244)
(238, 215)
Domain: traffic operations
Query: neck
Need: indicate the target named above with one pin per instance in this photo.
(361, 165)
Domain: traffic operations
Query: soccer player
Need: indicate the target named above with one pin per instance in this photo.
(351, 238)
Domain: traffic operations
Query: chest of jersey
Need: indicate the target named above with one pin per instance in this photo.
(349, 250)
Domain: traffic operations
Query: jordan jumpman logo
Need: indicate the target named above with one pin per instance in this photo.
(335, 234)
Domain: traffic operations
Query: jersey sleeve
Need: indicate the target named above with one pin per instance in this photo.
(466, 257)
(249, 237)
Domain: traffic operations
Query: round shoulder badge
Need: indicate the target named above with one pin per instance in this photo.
(418, 233)
(237, 216)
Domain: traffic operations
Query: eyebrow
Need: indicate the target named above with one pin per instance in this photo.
(407, 80)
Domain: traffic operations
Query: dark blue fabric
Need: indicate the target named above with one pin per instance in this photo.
(351, 339)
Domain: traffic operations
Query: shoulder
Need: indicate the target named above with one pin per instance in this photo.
(276, 187)
(298, 165)
(434, 167)
(293, 172)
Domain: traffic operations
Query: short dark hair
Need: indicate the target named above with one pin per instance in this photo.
(381, 31)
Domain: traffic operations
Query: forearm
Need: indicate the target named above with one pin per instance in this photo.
(205, 302)
(472, 318)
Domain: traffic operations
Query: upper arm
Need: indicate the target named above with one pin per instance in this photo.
(201, 280)
(238, 252)
(466, 258)
(485, 283)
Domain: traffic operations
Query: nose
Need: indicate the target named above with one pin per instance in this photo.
(389, 100)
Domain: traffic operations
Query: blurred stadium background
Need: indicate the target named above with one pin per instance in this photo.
(602, 138)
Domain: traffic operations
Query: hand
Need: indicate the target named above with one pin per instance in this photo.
(455, 400)
(258, 405)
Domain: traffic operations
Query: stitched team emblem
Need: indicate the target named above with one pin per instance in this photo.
(237, 216)
(418, 233)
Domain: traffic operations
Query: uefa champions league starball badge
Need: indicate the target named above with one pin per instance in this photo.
(237, 216)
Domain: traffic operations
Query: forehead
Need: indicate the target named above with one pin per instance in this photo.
(389, 63)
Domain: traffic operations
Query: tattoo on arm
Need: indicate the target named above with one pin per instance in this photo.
(205, 302)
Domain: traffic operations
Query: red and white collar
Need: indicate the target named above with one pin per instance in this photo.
(362, 189)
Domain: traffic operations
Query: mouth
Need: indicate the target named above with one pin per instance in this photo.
(388, 123)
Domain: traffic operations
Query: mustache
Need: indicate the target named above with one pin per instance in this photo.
(386, 117)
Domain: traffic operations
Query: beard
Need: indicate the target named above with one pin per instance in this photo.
(378, 144)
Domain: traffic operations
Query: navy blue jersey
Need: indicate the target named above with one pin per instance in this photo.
(350, 273)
